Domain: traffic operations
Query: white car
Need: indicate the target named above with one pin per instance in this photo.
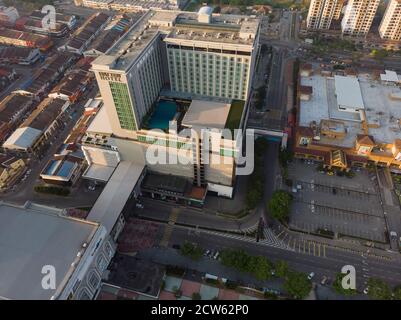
(311, 275)
(366, 290)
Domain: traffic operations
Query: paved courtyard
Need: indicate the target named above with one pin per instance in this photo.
(347, 206)
(138, 235)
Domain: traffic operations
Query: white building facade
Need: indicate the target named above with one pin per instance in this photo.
(358, 17)
(390, 27)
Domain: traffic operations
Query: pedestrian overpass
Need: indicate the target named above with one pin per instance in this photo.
(271, 135)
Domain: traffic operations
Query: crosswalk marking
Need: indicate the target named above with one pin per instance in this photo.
(270, 239)
(169, 227)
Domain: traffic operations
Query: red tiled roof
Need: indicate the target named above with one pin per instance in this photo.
(305, 131)
(351, 158)
(314, 152)
(365, 140)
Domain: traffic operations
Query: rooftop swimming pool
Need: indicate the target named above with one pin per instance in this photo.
(164, 112)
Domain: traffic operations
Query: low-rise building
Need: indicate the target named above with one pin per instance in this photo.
(63, 170)
(11, 168)
(36, 26)
(8, 16)
(132, 5)
(112, 33)
(85, 35)
(13, 109)
(25, 39)
(76, 251)
(45, 78)
(69, 20)
(42, 123)
(349, 121)
(96, 4)
(18, 55)
(72, 86)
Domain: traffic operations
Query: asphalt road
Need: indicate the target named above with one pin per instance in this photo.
(328, 264)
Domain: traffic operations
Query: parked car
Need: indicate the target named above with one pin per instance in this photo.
(216, 255)
(176, 246)
(311, 275)
(324, 281)
(139, 205)
(366, 290)
(207, 252)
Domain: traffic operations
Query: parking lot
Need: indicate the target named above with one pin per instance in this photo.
(343, 205)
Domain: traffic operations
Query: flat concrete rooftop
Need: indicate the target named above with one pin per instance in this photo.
(31, 237)
(229, 29)
(383, 113)
(381, 110)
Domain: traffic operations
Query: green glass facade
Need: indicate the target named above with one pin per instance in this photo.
(123, 105)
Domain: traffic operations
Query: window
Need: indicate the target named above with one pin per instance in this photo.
(101, 262)
(94, 280)
(84, 295)
(304, 141)
(123, 105)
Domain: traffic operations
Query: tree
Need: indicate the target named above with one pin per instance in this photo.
(379, 54)
(338, 287)
(284, 157)
(297, 285)
(378, 289)
(196, 296)
(260, 267)
(190, 250)
(279, 204)
(282, 268)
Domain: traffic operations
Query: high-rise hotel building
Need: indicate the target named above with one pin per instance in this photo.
(201, 62)
(358, 17)
(322, 12)
(390, 27)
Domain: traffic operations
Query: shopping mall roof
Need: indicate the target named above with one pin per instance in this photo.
(115, 194)
(348, 92)
(381, 108)
(33, 236)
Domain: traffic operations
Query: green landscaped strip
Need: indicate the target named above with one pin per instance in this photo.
(235, 114)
